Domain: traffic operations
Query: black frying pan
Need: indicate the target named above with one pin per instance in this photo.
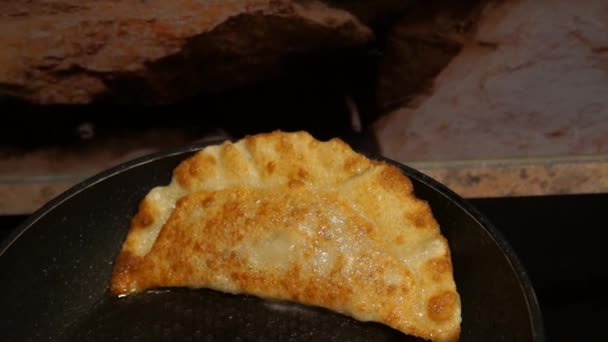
(55, 270)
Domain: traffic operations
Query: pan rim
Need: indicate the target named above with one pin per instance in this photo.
(531, 299)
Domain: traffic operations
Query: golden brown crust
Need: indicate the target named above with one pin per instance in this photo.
(284, 216)
(125, 266)
(438, 268)
(145, 216)
(441, 306)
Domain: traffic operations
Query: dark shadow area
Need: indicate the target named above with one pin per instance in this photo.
(561, 242)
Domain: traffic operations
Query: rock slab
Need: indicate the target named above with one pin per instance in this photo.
(157, 51)
(532, 82)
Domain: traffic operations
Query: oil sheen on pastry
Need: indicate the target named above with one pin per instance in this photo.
(287, 217)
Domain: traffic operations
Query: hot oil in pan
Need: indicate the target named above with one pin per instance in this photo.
(206, 315)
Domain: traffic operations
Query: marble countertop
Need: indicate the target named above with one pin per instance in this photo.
(29, 180)
(521, 177)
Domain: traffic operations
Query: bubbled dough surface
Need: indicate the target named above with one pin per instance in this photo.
(285, 216)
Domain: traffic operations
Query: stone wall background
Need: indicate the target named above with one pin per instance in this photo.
(492, 98)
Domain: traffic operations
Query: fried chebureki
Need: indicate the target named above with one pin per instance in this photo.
(284, 216)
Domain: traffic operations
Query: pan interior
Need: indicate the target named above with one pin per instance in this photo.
(208, 315)
(56, 277)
